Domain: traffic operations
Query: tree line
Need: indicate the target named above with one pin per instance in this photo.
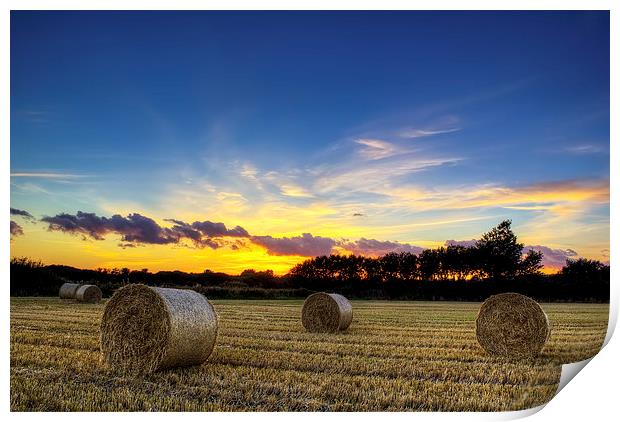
(495, 263)
(496, 256)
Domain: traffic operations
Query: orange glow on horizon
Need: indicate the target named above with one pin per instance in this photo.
(59, 248)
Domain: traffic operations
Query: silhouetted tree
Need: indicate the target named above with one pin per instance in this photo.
(584, 270)
(429, 264)
(531, 263)
(500, 253)
(495, 264)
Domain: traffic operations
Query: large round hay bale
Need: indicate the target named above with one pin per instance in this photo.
(512, 325)
(326, 313)
(88, 293)
(68, 290)
(144, 329)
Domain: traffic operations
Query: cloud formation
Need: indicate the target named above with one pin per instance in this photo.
(304, 245)
(21, 213)
(208, 228)
(133, 228)
(374, 248)
(16, 229)
(136, 228)
(586, 149)
(552, 258)
(46, 175)
(421, 133)
(376, 149)
(544, 196)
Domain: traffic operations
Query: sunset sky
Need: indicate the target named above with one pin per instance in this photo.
(221, 140)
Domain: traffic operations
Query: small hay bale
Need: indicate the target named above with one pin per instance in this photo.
(88, 293)
(145, 329)
(326, 313)
(512, 325)
(68, 290)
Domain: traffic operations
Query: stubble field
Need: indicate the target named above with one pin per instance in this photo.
(395, 356)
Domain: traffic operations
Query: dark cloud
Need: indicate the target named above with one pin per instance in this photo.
(184, 230)
(138, 229)
(133, 228)
(207, 228)
(128, 245)
(238, 244)
(21, 213)
(16, 229)
(552, 258)
(304, 245)
(207, 233)
(372, 247)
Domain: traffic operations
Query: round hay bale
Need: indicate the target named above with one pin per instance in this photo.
(68, 290)
(145, 329)
(326, 313)
(512, 325)
(88, 293)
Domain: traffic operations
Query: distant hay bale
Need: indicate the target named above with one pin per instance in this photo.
(68, 290)
(145, 329)
(326, 313)
(88, 293)
(512, 325)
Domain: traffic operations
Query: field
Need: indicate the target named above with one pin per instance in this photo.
(395, 356)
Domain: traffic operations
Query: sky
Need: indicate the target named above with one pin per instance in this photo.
(235, 140)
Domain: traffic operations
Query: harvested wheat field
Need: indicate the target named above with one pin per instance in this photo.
(395, 356)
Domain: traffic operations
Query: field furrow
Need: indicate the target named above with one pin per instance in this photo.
(395, 356)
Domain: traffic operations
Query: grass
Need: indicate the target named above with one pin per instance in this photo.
(395, 356)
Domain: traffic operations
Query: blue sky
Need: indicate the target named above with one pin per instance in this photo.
(235, 115)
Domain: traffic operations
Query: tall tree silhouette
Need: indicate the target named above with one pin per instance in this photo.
(501, 255)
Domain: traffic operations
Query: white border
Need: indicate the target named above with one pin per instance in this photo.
(592, 395)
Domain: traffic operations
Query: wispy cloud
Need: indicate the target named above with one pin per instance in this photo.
(48, 175)
(421, 133)
(250, 172)
(234, 199)
(34, 116)
(375, 175)
(376, 149)
(295, 191)
(552, 196)
(28, 188)
(585, 149)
